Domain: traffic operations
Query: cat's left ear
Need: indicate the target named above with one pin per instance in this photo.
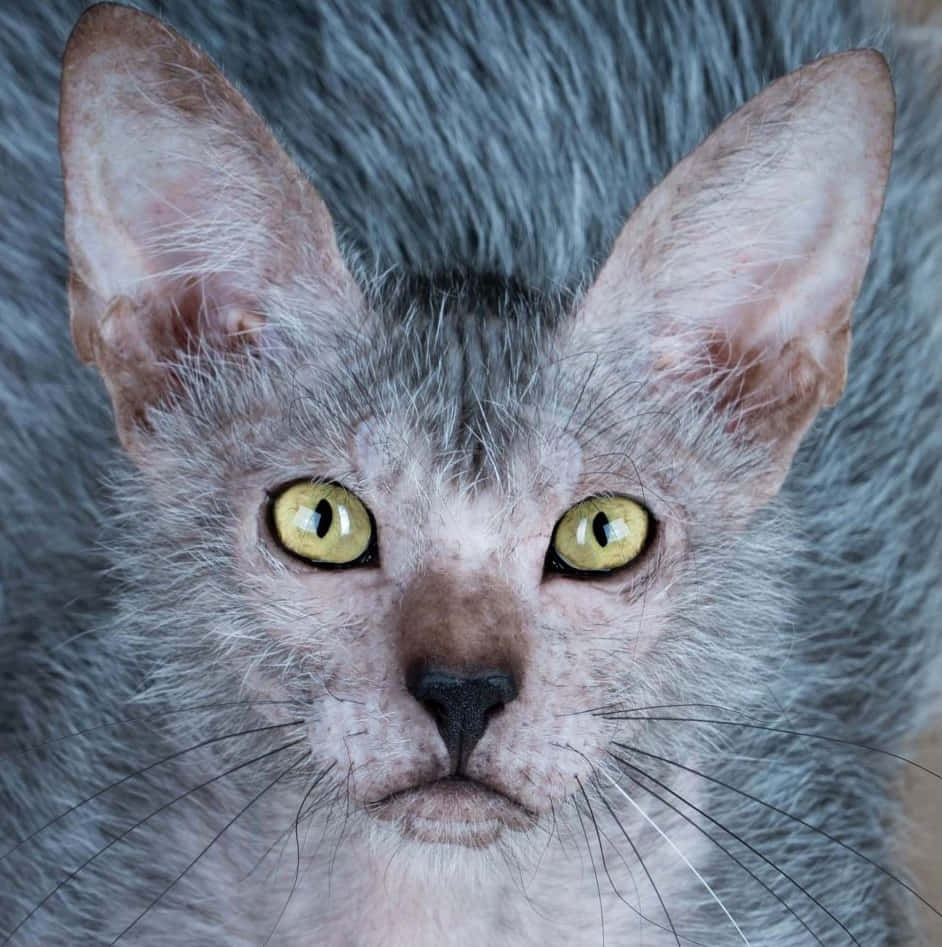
(183, 213)
(739, 271)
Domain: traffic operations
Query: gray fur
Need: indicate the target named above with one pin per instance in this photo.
(511, 139)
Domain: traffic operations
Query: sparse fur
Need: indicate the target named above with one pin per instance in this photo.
(478, 160)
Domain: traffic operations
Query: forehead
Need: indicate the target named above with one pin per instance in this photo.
(467, 379)
(468, 355)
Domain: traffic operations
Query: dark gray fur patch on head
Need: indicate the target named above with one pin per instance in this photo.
(476, 342)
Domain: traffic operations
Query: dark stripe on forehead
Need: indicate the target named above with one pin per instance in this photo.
(472, 344)
(482, 294)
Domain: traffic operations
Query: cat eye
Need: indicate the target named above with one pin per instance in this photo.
(323, 523)
(598, 535)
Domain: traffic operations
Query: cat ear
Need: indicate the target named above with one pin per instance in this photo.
(182, 211)
(741, 268)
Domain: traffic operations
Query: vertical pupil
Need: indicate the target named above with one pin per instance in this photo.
(599, 522)
(323, 517)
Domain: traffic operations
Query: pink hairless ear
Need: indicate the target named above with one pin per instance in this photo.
(747, 259)
(182, 210)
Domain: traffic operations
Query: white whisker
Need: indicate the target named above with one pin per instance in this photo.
(680, 854)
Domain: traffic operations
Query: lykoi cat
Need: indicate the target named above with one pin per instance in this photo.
(500, 502)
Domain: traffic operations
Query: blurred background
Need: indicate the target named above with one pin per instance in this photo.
(924, 793)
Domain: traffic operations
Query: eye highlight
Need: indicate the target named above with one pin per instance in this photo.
(599, 534)
(323, 523)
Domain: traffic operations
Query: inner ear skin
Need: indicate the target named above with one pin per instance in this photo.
(774, 399)
(138, 344)
(183, 213)
(748, 257)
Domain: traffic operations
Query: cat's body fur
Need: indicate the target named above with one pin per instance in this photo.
(527, 172)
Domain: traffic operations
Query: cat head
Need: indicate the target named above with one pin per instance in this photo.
(449, 518)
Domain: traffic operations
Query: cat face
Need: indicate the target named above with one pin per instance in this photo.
(461, 579)
(460, 585)
(455, 679)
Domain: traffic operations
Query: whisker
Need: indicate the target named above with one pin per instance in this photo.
(598, 886)
(34, 747)
(297, 847)
(726, 851)
(616, 708)
(634, 848)
(140, 822)
(647, 708)
(332, 795)
(680, 854)
(598, 836)
(140, 772)
(215, 839)
(283, 835)
(788, 815)
(787, 732)
(644, 867)
(343, 828)
(316, 804)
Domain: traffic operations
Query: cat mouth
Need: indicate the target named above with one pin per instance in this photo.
(453, 810)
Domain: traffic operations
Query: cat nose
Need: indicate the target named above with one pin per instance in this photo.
(461, 704)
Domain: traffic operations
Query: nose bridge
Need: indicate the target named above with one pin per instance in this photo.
(463, 623)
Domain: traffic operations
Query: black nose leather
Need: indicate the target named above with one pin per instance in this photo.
(462, 705)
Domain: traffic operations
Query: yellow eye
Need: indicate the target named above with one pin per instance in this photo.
(599, 534)
(323, 523)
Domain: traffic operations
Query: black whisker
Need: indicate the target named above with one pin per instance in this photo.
(34, 747)
(789, 815)
(786, 732)
(140, 772)
(283, 835)
(332, 795)
(598, 886)
(726, 851)
(553, 832)
(343, 829)
(637, 853)
(213, 840)
(649, 707)
(644, 917)
(316, 804)
(514, 866)
(644, 867)
(140, 822)
(616, 709)
(297, 848)
(598, 836)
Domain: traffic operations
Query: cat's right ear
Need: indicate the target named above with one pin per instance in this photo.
(183, 213)
(737, 274)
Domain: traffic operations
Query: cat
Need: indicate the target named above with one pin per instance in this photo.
(465, 539)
